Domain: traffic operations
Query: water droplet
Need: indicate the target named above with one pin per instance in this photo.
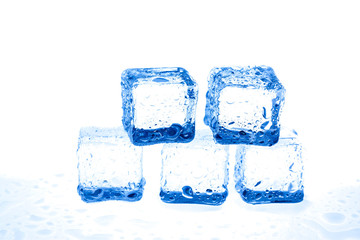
(264, 112)
(291, 187)
(97, 192)
(187, 192)
(290, 168)
(333, 217)
(263, 126)
(242, 133)
(258, 196)
(257, 184)
(209, 191)
(132, 195)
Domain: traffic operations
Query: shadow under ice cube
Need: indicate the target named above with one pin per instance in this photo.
(243, 105)
(270, 174)
(158, 105)
(196, 172)
(109, 165)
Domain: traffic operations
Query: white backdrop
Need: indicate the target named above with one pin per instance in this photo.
(61, 61)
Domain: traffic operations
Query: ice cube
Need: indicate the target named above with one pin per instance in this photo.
(270, 174)
(158, 105)
(109, 165)
(196, 172)
(243, 105)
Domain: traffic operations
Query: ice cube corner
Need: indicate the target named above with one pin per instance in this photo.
(243, 105)
(158, 105)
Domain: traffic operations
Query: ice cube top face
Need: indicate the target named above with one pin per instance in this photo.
(270, 174)
(109, 166)
(196, 172)
(243, 105)
(158, 105)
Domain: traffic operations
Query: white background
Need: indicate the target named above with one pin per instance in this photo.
(61, 61)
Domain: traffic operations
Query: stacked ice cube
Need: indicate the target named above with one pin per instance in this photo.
(159, 105)
(243, 107)
(195, 172)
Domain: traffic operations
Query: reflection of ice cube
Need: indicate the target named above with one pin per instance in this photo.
(110, 167)
(270, 174)
(159, 105)
(196, 172)
(243, 105)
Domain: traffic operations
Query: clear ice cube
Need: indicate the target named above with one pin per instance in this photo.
(270, 174)
(158, 105)
(109, 166)
(243, 105)
(196, 172)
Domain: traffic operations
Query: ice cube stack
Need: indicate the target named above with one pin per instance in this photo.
(243, 106)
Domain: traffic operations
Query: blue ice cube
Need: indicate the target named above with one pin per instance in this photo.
(109, 165)
(196, 172)
(243, 105)
(158, 105)
(270, 174)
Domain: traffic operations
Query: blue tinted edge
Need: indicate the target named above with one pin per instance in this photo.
(99, 194)
(263, 197)
(214, 198)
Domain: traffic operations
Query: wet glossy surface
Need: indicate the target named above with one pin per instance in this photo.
(51, 209)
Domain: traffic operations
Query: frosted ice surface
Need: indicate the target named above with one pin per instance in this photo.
(159, 105)
(110, 167)
(48, 209)
(196, 172)
(243, 105)
(270, 174)
(171, 99)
